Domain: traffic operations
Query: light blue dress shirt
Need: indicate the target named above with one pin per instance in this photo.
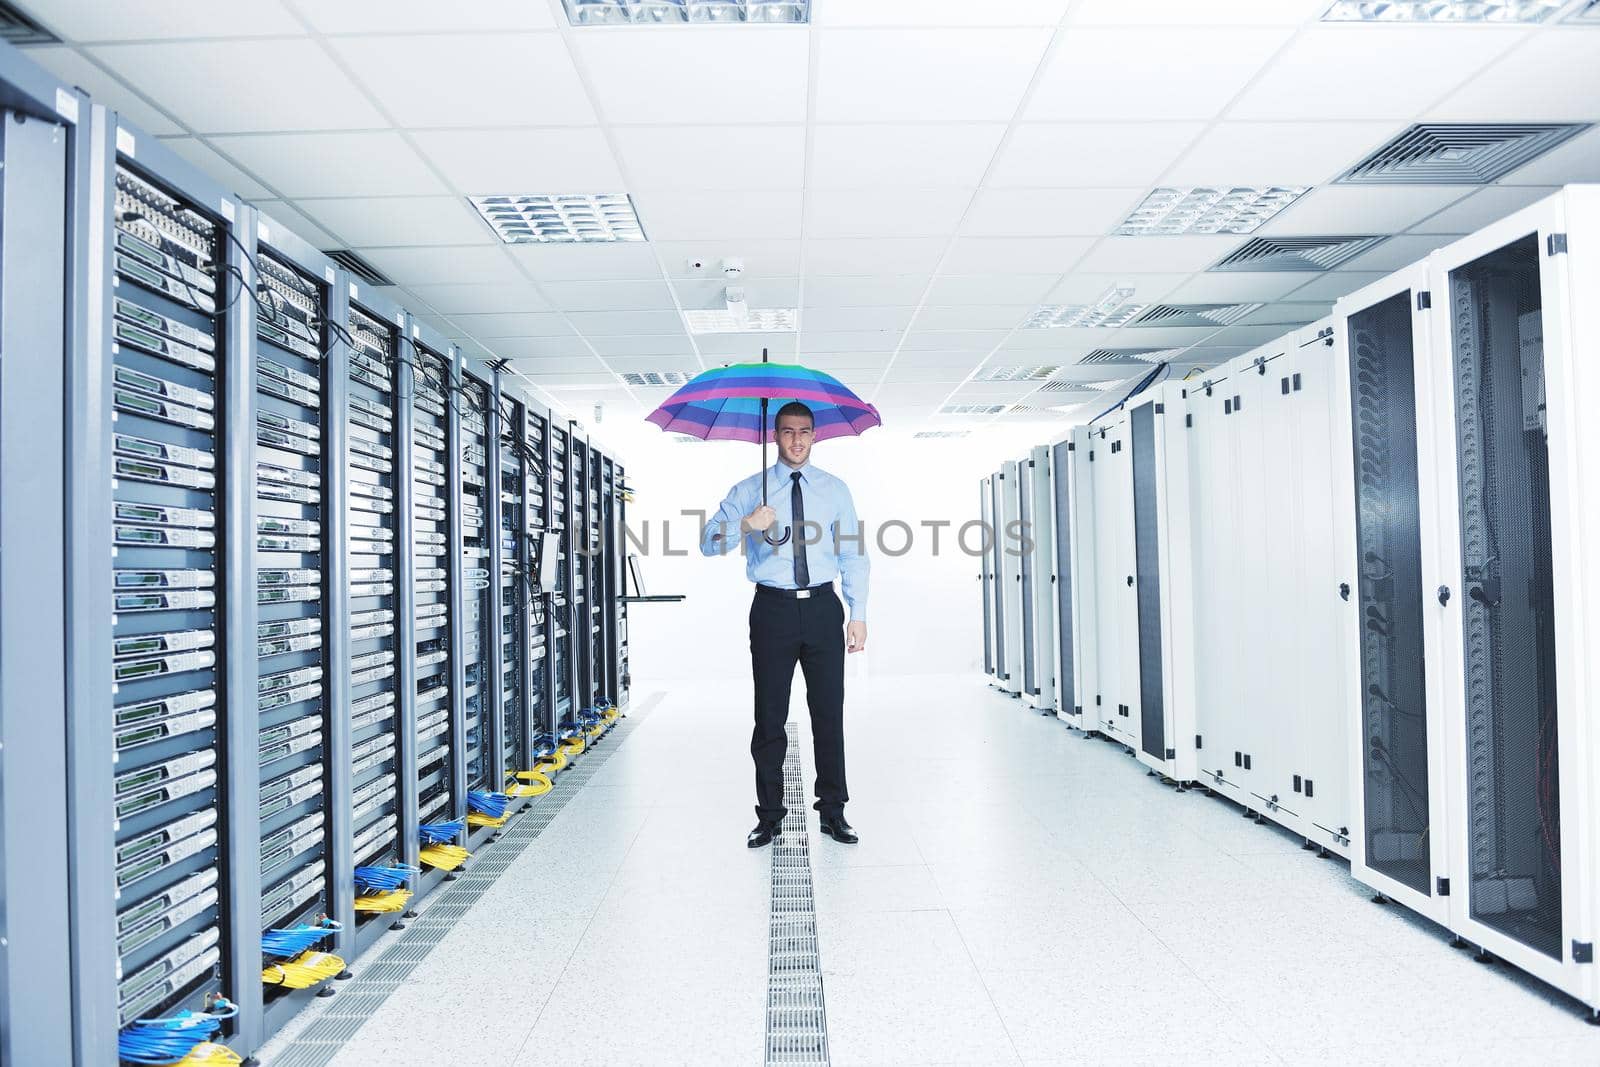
(827, 505)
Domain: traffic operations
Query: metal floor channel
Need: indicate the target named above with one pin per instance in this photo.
(797, 1018)
(375, 979)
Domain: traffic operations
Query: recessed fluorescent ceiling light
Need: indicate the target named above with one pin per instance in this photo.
(655, 377)
(751, 320)
(1168, 212)
(679, 12)
(972, 409)
(923, 435)
(1442, 10)
(1113, 308)
(1016, 374)
(582, 218)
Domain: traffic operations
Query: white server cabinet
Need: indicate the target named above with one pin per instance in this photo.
(1008, 512)
(1163, 586)
(1116, 615)
(1074, 576)
(1038, 599)
(988, 584)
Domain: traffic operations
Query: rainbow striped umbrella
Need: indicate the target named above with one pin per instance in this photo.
(732, 404)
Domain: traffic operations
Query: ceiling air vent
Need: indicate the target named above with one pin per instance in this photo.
(1296, 253)
(1195, 314)
(924, 435)
(972, 409)
(1467, 153)
(1127, 355)
(1065, 386)
(672, 378)
(1016, 374)
(358, 266)
(18, 29)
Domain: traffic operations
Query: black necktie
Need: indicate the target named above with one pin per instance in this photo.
(797, 516)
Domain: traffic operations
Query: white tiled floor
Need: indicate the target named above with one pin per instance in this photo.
(1020, 895)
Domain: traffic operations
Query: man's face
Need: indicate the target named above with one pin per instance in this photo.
(794, 434)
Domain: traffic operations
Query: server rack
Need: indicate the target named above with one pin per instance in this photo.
(514, 566)
(1117, 669)
(1039, 622)
(380, 555)
(580, 552)
(563, 604)
(302, 632)
(1072, 564)
(620, 538)
(594, 561)
(542, 724)
(49, 414)
(477, 473)
(611, 574)
(986, 581)
(1008, 569)
(167, 893)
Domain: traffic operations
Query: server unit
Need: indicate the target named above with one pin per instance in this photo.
(479, 507)
(1073, 573)
(562, 604)
(1008, 572)
(1116, 596)
(988, 582)
(619, 563)
(1036, 508)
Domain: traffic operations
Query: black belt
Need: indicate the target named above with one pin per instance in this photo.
(793, 594)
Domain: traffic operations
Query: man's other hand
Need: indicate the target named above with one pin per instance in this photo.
(759, 520)
(855, 637)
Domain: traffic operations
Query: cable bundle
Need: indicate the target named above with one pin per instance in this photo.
(441, 833)
(443, 857)
(381, 879)
(572, 746)
(533, 783)
(488, 802)
(304, 971)
(551, 764)
(379, 903)
(174, 1038)
(207, 1054)
(296, 939)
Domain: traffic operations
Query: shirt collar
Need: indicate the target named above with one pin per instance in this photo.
(782, 471)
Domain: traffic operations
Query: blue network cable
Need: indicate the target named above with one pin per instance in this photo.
(168, 1040)
(441, 833)
(381, 879)
(488, 803)
(296, 939)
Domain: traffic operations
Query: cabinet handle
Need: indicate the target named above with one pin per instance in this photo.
(1344, 590)
(1444, 595)
(1130, 579)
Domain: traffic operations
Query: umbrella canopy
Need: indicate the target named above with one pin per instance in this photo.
(733, 403)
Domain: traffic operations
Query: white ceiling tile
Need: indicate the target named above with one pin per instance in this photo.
(959, 358)
(907, 371)
(1335, 283)
(697, 75)
(732, 158)
(720, 348)
(405, 220)
(1578, 160)
(75, 69)
(945, 340)
(333, 164)
(597, 262)
(1483, 207)
(758, 292)
(1365, 71)
(625, 322)
(140, 20)
(972, 317)
(900, 75)
(1362, 209)
(1041, 345)
(762, 259)
(906, 393)
(922, 155)
(688, 215)
(830, 320)
(845, 291)
(815, 340)
(609, 296)
(222, 170)
(1286, 313)
(1228, 287)
(886, 212)
(1274, 153)
(503, 79)
(938, 13)
(1157, 254)
(419, 266)
(280, 213)
(458, 299)
(1162, 336)
(1552, 78)
(427, 16)
(1014, 255)
(509, 323)
(1187, 12)
(1052, 212)
(1245, 336)
(308, 91)
(956, 290)
(550, 160)
(650, 346)
(540, 348)
(1097, 154)
(888, 255)
(683, 363)
(1169, 73)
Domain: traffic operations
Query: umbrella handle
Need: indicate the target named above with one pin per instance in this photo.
(787, 533)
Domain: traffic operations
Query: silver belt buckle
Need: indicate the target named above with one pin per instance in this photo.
(801, 594)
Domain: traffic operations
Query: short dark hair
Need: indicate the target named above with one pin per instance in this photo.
(794, 407)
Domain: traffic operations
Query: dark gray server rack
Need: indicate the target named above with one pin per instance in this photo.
(1147, 560)
(594, 559)
(535, 605)
(382, 753)
(610, 544)
(1066, 679)
(513, 577)
(997, 600)
(1028, 570)
(563, 605)
(167, 891)
(580, 550)
(302, 631)
(620, 611)
(1508, 614)
(1395, 785)
(45, 398)
(477, 474)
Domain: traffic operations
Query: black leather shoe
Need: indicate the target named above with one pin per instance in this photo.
(762, 835)
(836, 828)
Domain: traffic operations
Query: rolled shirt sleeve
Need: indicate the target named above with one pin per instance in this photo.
(850, 545)
(721, 534)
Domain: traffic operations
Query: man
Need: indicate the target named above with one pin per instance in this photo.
(795, 616)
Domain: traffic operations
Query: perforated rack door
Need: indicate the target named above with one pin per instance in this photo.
(433, 597)
(479, 583)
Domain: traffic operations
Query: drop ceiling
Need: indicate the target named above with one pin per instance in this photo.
(915, 177)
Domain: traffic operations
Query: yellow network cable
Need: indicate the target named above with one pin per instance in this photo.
(444, 857)
(612, 714)
(547, 765)
(477, 818)
(533, 783)
(388, 900)
(305, 970)
(207, 1054)
(573, 745)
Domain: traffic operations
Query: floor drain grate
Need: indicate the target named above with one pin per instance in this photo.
(797, 1024)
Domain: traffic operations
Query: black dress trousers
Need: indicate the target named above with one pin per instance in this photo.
(810, 632)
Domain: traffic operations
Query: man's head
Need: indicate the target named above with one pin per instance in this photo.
(794, 429)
